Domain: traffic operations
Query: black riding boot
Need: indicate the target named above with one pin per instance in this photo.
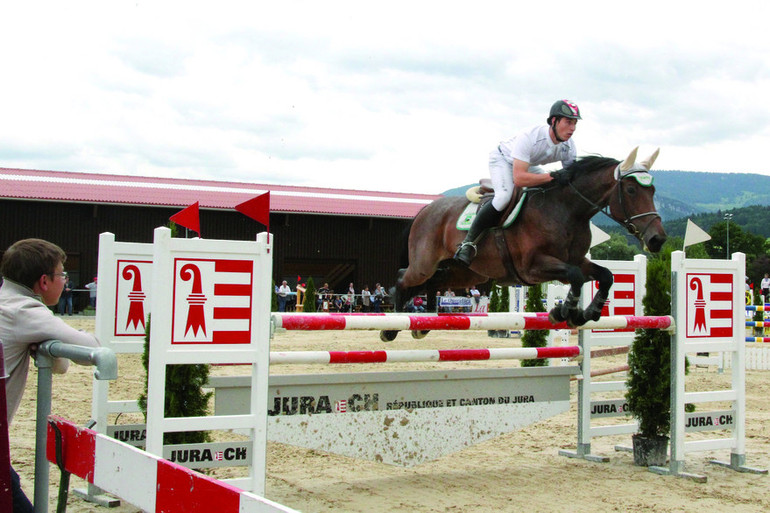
(487, 217)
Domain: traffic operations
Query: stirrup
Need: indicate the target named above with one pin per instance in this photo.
(467, 260)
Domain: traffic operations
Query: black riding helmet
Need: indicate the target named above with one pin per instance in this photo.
(562, 109)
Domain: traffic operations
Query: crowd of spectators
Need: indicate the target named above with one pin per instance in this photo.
(376, 300)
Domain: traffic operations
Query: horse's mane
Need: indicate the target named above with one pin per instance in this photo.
(590, 163)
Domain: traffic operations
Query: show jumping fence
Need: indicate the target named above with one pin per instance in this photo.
(601, 402)
(455, 407)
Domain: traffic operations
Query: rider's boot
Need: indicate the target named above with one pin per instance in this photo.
(487, 217)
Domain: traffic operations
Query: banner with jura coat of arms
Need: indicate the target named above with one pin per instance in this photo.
(709, 303)
(212, 301)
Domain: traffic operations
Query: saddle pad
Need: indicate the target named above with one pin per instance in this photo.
(467, 216)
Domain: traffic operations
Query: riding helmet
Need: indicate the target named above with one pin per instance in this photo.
(564, 109)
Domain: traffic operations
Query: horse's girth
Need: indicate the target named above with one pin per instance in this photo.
(505, 256)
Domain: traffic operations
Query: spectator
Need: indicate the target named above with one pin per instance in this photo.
(350, 299)
(765, 286)
(417, 305)
(379, 297)
(65, 301)
(92, 292)
(338, 304)
(323, 298)
(34, 277)
(284, 291)
(476, 295)
(366, 298)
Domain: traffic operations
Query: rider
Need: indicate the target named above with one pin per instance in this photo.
(516, 162)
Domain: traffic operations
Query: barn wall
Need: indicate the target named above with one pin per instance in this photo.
(358, 249)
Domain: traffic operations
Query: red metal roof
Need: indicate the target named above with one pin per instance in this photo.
(171, 192)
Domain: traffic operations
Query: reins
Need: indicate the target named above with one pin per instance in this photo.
(627, 223)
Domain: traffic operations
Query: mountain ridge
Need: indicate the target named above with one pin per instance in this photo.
(681, 194)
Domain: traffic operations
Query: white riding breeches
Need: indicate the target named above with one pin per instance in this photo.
(501, 173)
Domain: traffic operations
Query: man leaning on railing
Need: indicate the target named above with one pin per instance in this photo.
(33, 279)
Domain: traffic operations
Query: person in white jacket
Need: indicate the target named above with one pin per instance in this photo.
(33, 279)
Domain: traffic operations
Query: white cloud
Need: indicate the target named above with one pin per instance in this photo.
(396, 96)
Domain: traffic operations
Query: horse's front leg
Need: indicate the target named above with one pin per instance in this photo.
(605, 279)
(569, 310)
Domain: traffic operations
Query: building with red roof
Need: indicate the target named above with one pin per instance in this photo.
(335, 235)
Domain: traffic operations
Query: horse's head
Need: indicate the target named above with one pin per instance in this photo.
(633, 206)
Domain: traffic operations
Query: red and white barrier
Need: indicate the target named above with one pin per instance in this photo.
(490, 321)
(422, 355)
(144, 480)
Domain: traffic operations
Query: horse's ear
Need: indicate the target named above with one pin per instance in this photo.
(627, 164)
(647, 164)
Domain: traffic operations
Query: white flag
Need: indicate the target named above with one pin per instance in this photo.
(694, 234)
(598, 235)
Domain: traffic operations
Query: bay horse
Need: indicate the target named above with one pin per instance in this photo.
(548, 240)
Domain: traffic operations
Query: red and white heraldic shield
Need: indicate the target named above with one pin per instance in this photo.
(132, 300)
(212, 301)
(710, 299)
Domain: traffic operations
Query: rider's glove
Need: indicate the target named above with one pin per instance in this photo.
(560, 177)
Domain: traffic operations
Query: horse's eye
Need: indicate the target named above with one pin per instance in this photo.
(631, 189)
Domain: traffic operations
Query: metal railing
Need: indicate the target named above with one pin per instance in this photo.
(106, 368)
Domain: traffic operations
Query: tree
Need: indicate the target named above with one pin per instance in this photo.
(494, 297)
(184, 390)
(498, 302)
(740, 241)
(649, 360)
(310, 296)
(534, 338)
(273, 298)
(184, 394)
(617, 248)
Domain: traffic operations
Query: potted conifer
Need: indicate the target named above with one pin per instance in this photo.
(310, 296)
(534, 338)
(498, 302)
(649, 375)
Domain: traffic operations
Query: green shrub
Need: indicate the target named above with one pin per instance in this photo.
(649, 360)
(310, 296)
(184, 395)
(534, 338)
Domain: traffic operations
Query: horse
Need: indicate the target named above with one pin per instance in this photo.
(548, 240)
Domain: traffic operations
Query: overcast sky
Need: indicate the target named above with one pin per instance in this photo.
(396, 96)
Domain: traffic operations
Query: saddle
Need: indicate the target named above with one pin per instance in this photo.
(478, 196)
(483, 193)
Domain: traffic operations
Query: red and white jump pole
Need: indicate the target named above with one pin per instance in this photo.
(421, 355)
(491, 321)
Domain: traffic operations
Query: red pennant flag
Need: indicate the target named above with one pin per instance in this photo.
(257, 208)
(189, 218)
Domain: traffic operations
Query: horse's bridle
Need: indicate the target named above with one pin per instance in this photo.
(627, 223)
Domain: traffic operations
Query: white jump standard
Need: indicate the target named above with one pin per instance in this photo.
(708, 296)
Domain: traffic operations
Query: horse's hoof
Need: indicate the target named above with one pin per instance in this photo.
(388, 335)
(418, 334)
(577, 319)
(555, 316)
(592, 315)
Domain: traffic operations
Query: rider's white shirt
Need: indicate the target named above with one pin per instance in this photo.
(535, 147)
